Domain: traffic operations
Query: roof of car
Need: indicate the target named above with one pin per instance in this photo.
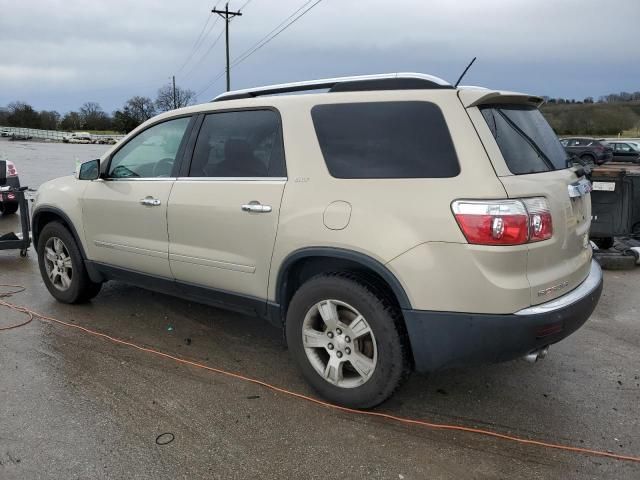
(283, 94)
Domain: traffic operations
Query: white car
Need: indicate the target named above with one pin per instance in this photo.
(78, 137)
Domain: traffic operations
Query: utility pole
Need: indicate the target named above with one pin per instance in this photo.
(175, 103)
(227, 15)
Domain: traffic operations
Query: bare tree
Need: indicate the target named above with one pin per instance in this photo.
(165, 100)
(140, 108)
(71, 121)
(49, 120)
(93, 117)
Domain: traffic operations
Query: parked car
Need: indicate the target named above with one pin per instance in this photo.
(5, 132)
(19, 136)
(589, 150)
(8, 201)
(419, 226)
(625, 151)
(77, 137)
(104, 141)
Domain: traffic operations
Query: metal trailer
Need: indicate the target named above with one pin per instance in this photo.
(11, 240)
(615, 213)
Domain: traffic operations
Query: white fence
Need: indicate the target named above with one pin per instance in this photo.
(54, 135)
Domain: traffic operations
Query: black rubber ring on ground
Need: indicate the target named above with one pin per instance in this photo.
(170, 437)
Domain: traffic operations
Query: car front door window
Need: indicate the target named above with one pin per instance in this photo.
(150, 154)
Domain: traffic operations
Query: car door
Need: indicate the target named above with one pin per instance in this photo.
(623, 152)
(223, 216)
(125, 211)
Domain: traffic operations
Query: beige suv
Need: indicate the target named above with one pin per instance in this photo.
(389, 223)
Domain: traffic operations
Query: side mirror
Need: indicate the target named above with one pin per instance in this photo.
(89, 170)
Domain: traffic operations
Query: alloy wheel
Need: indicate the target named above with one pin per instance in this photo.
(339, 343)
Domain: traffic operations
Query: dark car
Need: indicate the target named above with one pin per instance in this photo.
(625, 151)
(8, 201)
(589, 150)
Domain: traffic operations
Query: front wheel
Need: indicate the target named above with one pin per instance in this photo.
(62, 266)
(348, 340)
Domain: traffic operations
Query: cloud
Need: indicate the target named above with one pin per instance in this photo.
(63, 53)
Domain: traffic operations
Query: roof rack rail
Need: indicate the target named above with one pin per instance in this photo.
(389, 81)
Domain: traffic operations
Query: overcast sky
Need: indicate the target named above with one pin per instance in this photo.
(59, 54)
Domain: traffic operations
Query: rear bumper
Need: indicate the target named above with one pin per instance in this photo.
(449, 339)
(10, 197)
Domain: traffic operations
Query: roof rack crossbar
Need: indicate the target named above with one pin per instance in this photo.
(391, 81)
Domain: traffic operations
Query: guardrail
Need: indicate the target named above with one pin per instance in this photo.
(55, 135)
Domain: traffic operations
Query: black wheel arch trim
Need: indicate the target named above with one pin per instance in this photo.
(94, 275)
(345, 254)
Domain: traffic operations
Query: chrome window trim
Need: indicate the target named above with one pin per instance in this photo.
(585, 288)
(140, 179)
(233, 179)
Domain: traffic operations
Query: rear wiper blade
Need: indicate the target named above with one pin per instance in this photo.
(529, 140)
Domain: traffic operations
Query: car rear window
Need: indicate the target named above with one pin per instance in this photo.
(527, 142)
(385, 140)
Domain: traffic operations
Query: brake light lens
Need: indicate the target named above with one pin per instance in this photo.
(11, 170)
(504, 222)
(540, 223)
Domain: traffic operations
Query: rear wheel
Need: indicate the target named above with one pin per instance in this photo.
(62, 266)
(348, 340)
(8, 208)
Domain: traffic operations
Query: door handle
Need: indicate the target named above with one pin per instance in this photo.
(150, 202)
(256, 207)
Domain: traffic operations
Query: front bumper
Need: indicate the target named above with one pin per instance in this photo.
(449, 339)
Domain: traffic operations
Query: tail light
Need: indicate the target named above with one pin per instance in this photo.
(504, 222)
(11, 170)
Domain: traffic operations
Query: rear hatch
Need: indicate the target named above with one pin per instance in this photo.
(531, 162)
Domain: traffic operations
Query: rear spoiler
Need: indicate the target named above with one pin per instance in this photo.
(475, 96)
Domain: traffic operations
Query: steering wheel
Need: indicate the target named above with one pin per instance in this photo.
(163, 168)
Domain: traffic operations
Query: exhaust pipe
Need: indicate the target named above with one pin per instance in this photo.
(533, 357)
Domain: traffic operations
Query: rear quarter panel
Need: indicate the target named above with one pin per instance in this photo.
(388, 216)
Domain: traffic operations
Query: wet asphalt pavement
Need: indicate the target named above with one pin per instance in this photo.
(76, 406)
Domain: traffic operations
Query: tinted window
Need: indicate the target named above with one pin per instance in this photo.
(239, 144)
(385, 140)
(151, 153)
(527, 142)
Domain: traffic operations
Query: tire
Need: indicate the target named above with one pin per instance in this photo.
(589, 160)
(367, 348)
(8, 208)
(57, 249)
(603, 243)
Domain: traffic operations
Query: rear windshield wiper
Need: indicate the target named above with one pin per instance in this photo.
(528, 139)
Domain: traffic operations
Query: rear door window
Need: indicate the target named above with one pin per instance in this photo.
(385, 140)
(239, 144)
(527, 142)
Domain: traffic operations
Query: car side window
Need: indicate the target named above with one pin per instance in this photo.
(152, 153)
(240, 144)
(623, 147)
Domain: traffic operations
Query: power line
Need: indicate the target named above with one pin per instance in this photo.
(244, 5)
(248, 51)
(265, 40)
(215, 42)
(199, 40)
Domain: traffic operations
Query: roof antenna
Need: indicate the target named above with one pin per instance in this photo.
(464, 73)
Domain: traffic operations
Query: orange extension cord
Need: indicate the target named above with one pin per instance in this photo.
(31, 315)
